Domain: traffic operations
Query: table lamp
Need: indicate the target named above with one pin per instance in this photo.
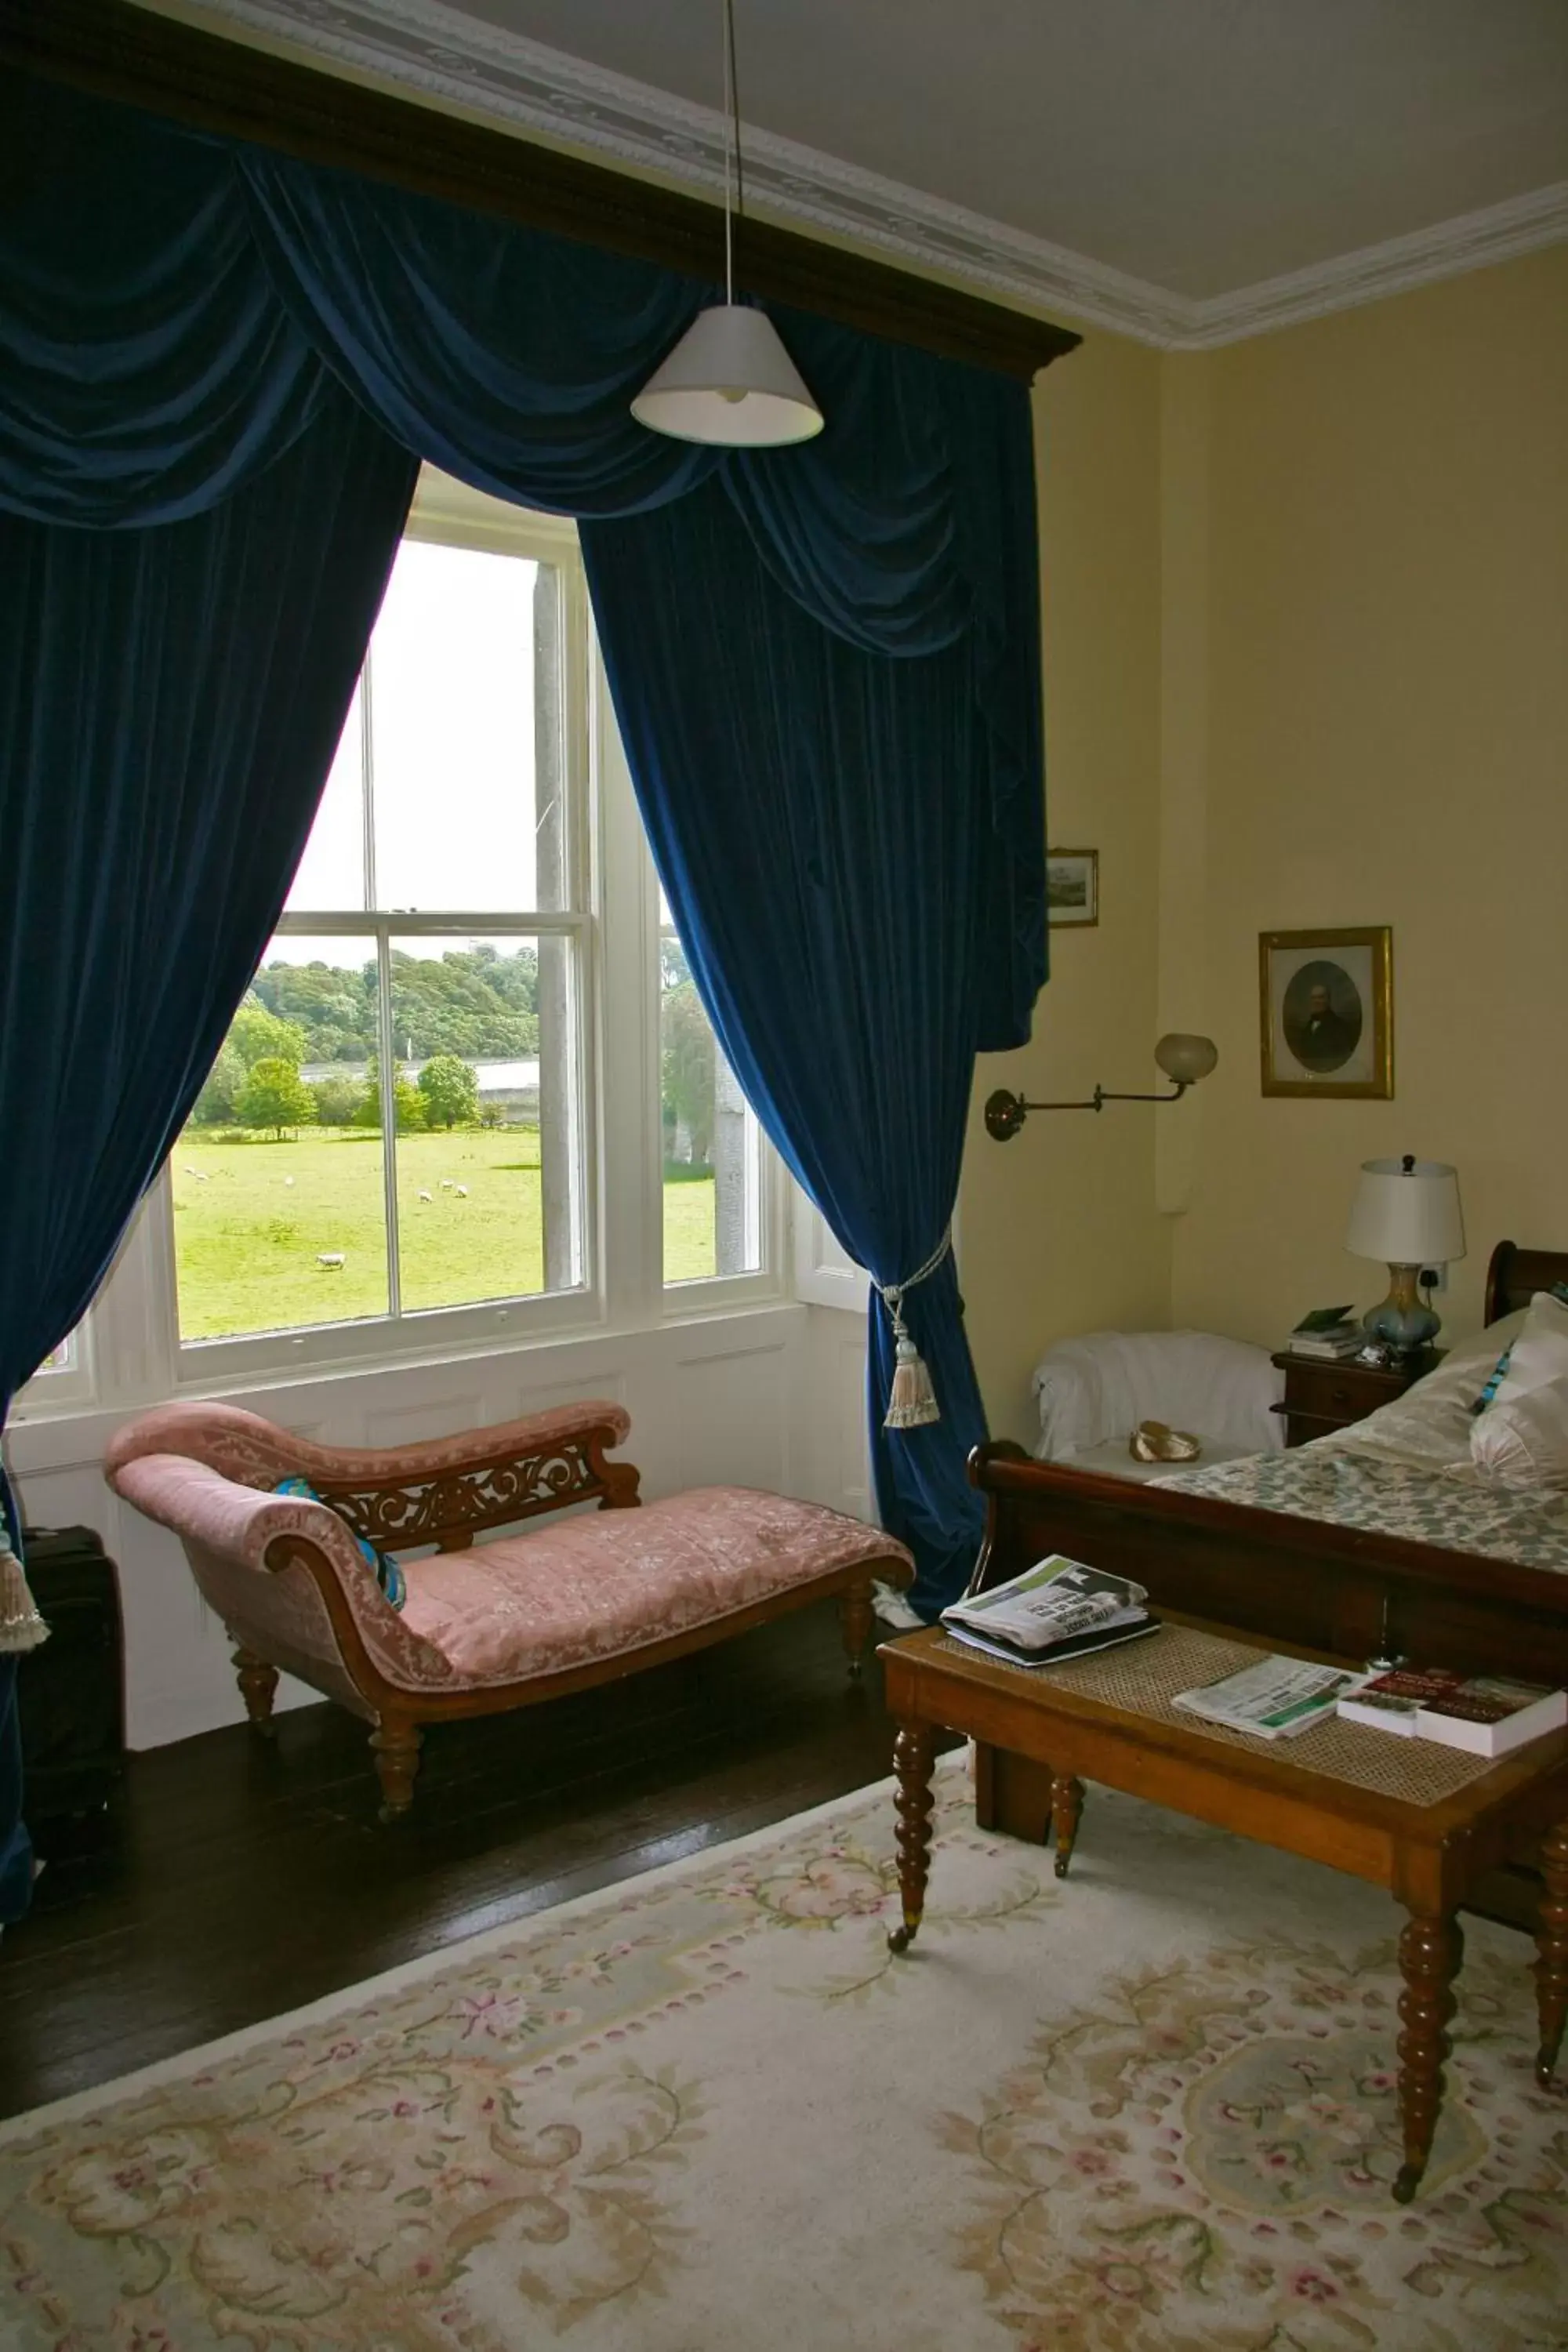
(1407, 1211)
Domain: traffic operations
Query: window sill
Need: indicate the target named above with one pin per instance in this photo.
(75, 1435)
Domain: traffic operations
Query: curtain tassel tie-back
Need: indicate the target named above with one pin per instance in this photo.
(911, 1401)
(21, 1625)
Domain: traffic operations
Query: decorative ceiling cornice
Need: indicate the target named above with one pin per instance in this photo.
(426, 48)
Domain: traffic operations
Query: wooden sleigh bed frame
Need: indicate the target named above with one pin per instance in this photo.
(1345, 1593)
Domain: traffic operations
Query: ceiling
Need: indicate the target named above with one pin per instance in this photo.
(1200, 144)
(1161, 165)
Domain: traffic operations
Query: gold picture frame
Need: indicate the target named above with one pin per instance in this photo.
(1326, 1012)
(1072, 888)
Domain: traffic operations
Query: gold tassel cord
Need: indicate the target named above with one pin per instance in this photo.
(22, 1627)
(912, 1400)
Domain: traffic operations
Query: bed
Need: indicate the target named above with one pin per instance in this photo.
(1240, 1548)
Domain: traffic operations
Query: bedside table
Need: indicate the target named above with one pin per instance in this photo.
(1322, 1396)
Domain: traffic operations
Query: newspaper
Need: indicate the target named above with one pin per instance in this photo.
(1057, 1600)
(1060, 1653)
(1275, 1699)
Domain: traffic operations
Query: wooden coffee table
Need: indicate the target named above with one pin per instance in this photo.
(1426, 1821)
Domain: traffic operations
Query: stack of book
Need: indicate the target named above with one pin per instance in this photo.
(1488, 1715)
(1329, 1334)
(1059, 1609)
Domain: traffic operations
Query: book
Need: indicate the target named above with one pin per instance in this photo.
(1276, 1699)
(1330, 1346)
(1078, 1645)
(1323, 1319)
(1487, 1714)
(1054, 1602)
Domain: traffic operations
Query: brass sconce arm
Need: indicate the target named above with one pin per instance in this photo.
(1184, 1060)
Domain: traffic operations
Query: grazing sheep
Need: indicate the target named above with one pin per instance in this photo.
(446, 1183)
(332, 1259)
(461, 1191)
(423, 1196)
(288, 1180)
(185, 1168)
(199, 1177)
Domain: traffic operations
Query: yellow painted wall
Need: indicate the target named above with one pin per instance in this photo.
(1306, 637)
(1388, 743)
(1057, 1229)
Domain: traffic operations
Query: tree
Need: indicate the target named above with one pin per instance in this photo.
(409, 1103)
(275, 1096)
(337, 1100)
(492, 1113)
(259, 1035)
(451, 1091)
(686, 1070)
(214, 1104)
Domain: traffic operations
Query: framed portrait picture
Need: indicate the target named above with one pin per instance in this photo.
(1327, 1010)
(1072, 886)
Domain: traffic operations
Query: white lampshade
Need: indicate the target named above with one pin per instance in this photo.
(729, 381)
(1406, 1213)
(1186, 1058)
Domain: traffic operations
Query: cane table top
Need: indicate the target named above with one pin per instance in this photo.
(1141, 1679)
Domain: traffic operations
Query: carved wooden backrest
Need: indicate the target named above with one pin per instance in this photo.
(451, 1507)
(443, 1492)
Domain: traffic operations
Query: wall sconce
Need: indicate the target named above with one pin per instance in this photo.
(1184, 1059)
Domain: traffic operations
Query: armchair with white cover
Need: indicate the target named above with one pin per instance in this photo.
(1092, 1391)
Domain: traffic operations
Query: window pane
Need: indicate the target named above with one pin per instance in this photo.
(331, 877)
(279, 1202)
(488, 1189)
(712, 1146)
(465, 733)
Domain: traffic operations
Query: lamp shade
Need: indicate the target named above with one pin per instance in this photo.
(1185, 1058)
(1406, 1213)
(731, 382)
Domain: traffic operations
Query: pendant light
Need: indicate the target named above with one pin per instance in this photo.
(729, 380)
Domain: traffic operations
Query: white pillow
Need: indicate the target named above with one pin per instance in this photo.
(1524, 1441)
(1430, 1426)
(1540, 1352)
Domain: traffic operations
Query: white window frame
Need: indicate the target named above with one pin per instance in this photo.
(129, 1348)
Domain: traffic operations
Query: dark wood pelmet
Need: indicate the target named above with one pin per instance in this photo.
(172, 69)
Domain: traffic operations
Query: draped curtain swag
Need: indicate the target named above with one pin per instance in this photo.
(218, 369)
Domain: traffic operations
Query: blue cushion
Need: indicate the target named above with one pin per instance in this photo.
(387, 1574)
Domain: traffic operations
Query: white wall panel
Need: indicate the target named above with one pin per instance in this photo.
(733, 1418)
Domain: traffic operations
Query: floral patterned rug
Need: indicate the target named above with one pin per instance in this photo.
(1150, 2110)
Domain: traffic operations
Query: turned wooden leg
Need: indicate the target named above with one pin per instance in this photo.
(856, 1622)
(395, 1742)
(258, 1688)
(1551, 1947)
(1067, 1811)
(1430, 1951)
(914, 1753)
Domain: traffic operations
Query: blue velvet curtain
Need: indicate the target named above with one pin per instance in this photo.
(817, 816)
(170, 691)
(213, 366)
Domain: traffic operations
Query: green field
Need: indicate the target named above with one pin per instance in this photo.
(252, 1217)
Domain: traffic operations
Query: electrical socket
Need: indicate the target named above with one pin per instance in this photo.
(1434, 1277)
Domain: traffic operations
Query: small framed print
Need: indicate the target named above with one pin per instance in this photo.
(1327, 1013)
(1072, 886)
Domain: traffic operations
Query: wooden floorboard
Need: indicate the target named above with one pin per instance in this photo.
(237, 1879)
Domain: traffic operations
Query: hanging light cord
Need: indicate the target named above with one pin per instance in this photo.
(732, 152)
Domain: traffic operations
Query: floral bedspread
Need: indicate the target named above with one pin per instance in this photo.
(1455, 1512)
